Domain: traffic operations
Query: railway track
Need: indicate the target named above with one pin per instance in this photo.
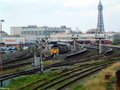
(32, 85)
(65, 78)
(19, 62)
(79, 76)
(21, 58)
(25, 72)
(12, 75)
(25, 60)
(30, 55)
(88, 53)
(92, 56)
(11, 66)
(31, 71)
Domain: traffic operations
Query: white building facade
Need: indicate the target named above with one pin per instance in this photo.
(112, 37)
(13, 40)
(33, 32)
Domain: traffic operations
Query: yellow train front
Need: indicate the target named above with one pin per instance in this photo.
(59, 49)
(54, 50)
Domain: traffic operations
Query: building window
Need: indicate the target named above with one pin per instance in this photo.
(32, 32)
(40, 33)
(36, 32)
(28, 32)
(44, 32)
(23, 32)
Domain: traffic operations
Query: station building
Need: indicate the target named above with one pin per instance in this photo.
(110, 37)
(8, 40)
(13, 41)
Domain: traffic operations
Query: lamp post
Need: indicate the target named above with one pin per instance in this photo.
(42, 55)
(1, 53)
(74, 38)
(100, 38)
(38, 57)
(1, 30)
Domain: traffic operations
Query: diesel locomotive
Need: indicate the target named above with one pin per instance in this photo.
(59, 48)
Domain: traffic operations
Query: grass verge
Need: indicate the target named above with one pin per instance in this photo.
(18, 82)
(98, 82)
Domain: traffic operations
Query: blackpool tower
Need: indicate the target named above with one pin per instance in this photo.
(100, 22)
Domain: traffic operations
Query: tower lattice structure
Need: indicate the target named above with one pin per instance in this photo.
(100, 23)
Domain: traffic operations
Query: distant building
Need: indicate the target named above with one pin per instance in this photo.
(13, 41)
(76, 32)
(117, 38)
(110, 37)
(3, 33)
(92, 31)
(32, 32)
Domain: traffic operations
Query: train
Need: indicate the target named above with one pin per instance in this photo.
(60, 48)
(108, 42)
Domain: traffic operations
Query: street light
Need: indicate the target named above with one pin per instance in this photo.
(38, 57)
(1, 53)
(74, 38)
(100, 38)
(1, 30)
(41, 57)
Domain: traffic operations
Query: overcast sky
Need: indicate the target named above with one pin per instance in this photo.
(72, 13)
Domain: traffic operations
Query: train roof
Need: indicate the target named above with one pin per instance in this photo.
(55, 45)
(52, 42)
